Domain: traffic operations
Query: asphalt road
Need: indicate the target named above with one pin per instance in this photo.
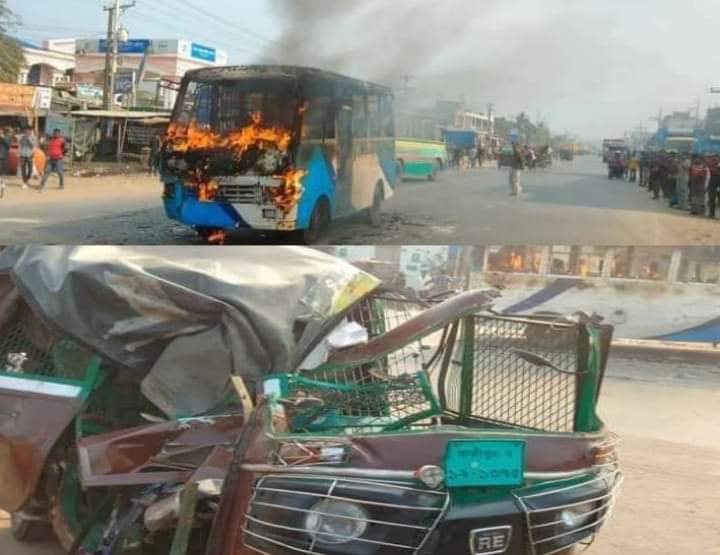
(666, 415)
(571, 203)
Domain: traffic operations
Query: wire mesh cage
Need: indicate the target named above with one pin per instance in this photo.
(377, 404)
(29, 347)
(525, 373)
(382, 313)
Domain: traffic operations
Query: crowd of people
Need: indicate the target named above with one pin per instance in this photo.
(37, 157)
(688, 182)
(467, 157)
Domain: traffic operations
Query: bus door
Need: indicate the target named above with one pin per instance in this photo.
(345, 155)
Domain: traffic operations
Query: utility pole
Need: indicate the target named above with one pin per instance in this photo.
(111, 53)
(406, 78)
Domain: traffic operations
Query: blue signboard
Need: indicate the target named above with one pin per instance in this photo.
(204, 53)
(134, 46)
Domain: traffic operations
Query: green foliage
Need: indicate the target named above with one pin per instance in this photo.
(8, 19)
(11, 56)
(536, 134)
(11, 59)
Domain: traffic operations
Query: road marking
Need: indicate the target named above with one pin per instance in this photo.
(18, 221)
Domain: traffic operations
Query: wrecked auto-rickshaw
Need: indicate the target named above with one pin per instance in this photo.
(392, 426)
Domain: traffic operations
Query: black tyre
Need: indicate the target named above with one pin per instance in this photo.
(29, 531)
(319, 222)
(374, 213)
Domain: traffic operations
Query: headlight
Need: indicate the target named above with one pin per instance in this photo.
(336, 522)
(577, 516)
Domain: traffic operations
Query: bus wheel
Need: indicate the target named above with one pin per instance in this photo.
(400, 170)
(319, 222)
(374, 213)
(431, 176)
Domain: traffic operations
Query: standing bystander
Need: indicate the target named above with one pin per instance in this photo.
(28, 143)
(56, 154)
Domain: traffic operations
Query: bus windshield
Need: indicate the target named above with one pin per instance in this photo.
(236, 126)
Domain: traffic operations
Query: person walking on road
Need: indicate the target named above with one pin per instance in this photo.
(56, 155)
(682, 182)
(714, 189)
(516, 168)
(28, 144)
(155, 146)
(633, 167)
(654, 177)
(699, 181)
(4, 155)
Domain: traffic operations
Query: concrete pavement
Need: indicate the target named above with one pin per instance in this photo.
(572, 203)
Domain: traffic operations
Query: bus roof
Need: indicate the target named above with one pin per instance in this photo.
(230, 73)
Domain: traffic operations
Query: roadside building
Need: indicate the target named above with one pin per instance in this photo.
(48, 64)
(155, 64)
(482, 124)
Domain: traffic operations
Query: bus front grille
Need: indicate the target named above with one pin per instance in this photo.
(239, 194)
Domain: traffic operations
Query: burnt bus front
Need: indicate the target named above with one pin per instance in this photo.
(489, 445)
(276, 148)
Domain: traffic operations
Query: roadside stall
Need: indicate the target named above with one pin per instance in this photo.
(116, 134)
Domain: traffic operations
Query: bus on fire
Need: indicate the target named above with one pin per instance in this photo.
(277, 148)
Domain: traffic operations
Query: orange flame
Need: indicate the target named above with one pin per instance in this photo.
(197, 137)
(218, 237)
(288, 195)
(208, 191)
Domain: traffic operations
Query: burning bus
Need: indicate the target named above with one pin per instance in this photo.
(277, 148)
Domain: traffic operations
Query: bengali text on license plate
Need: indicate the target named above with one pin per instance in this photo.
(478, 463)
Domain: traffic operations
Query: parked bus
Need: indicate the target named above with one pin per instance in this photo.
(421, 158)
(277, 148)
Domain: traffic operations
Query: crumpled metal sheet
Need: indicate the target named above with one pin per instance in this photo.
(189, 317)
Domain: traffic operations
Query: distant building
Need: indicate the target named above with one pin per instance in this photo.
(167, 60)
(428, 123)
(49, 64)
(482, 124)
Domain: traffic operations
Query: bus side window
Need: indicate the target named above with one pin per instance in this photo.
(319, 122)
(387, 118)
(360, 121)
(374, 117)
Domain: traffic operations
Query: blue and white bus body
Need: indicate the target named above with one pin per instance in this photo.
(341, 144)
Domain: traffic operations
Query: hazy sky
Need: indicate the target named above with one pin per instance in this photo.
(593, 67)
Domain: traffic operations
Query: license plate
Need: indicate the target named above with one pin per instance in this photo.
(490, 541)
(478, 463)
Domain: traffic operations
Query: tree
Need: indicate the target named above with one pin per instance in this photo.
(11, 55)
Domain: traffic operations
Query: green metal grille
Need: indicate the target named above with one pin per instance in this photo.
(43, 352)
(510, 382)
(376, 404)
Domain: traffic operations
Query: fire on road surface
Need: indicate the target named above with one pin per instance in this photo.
(669, 432)
(571, 200)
